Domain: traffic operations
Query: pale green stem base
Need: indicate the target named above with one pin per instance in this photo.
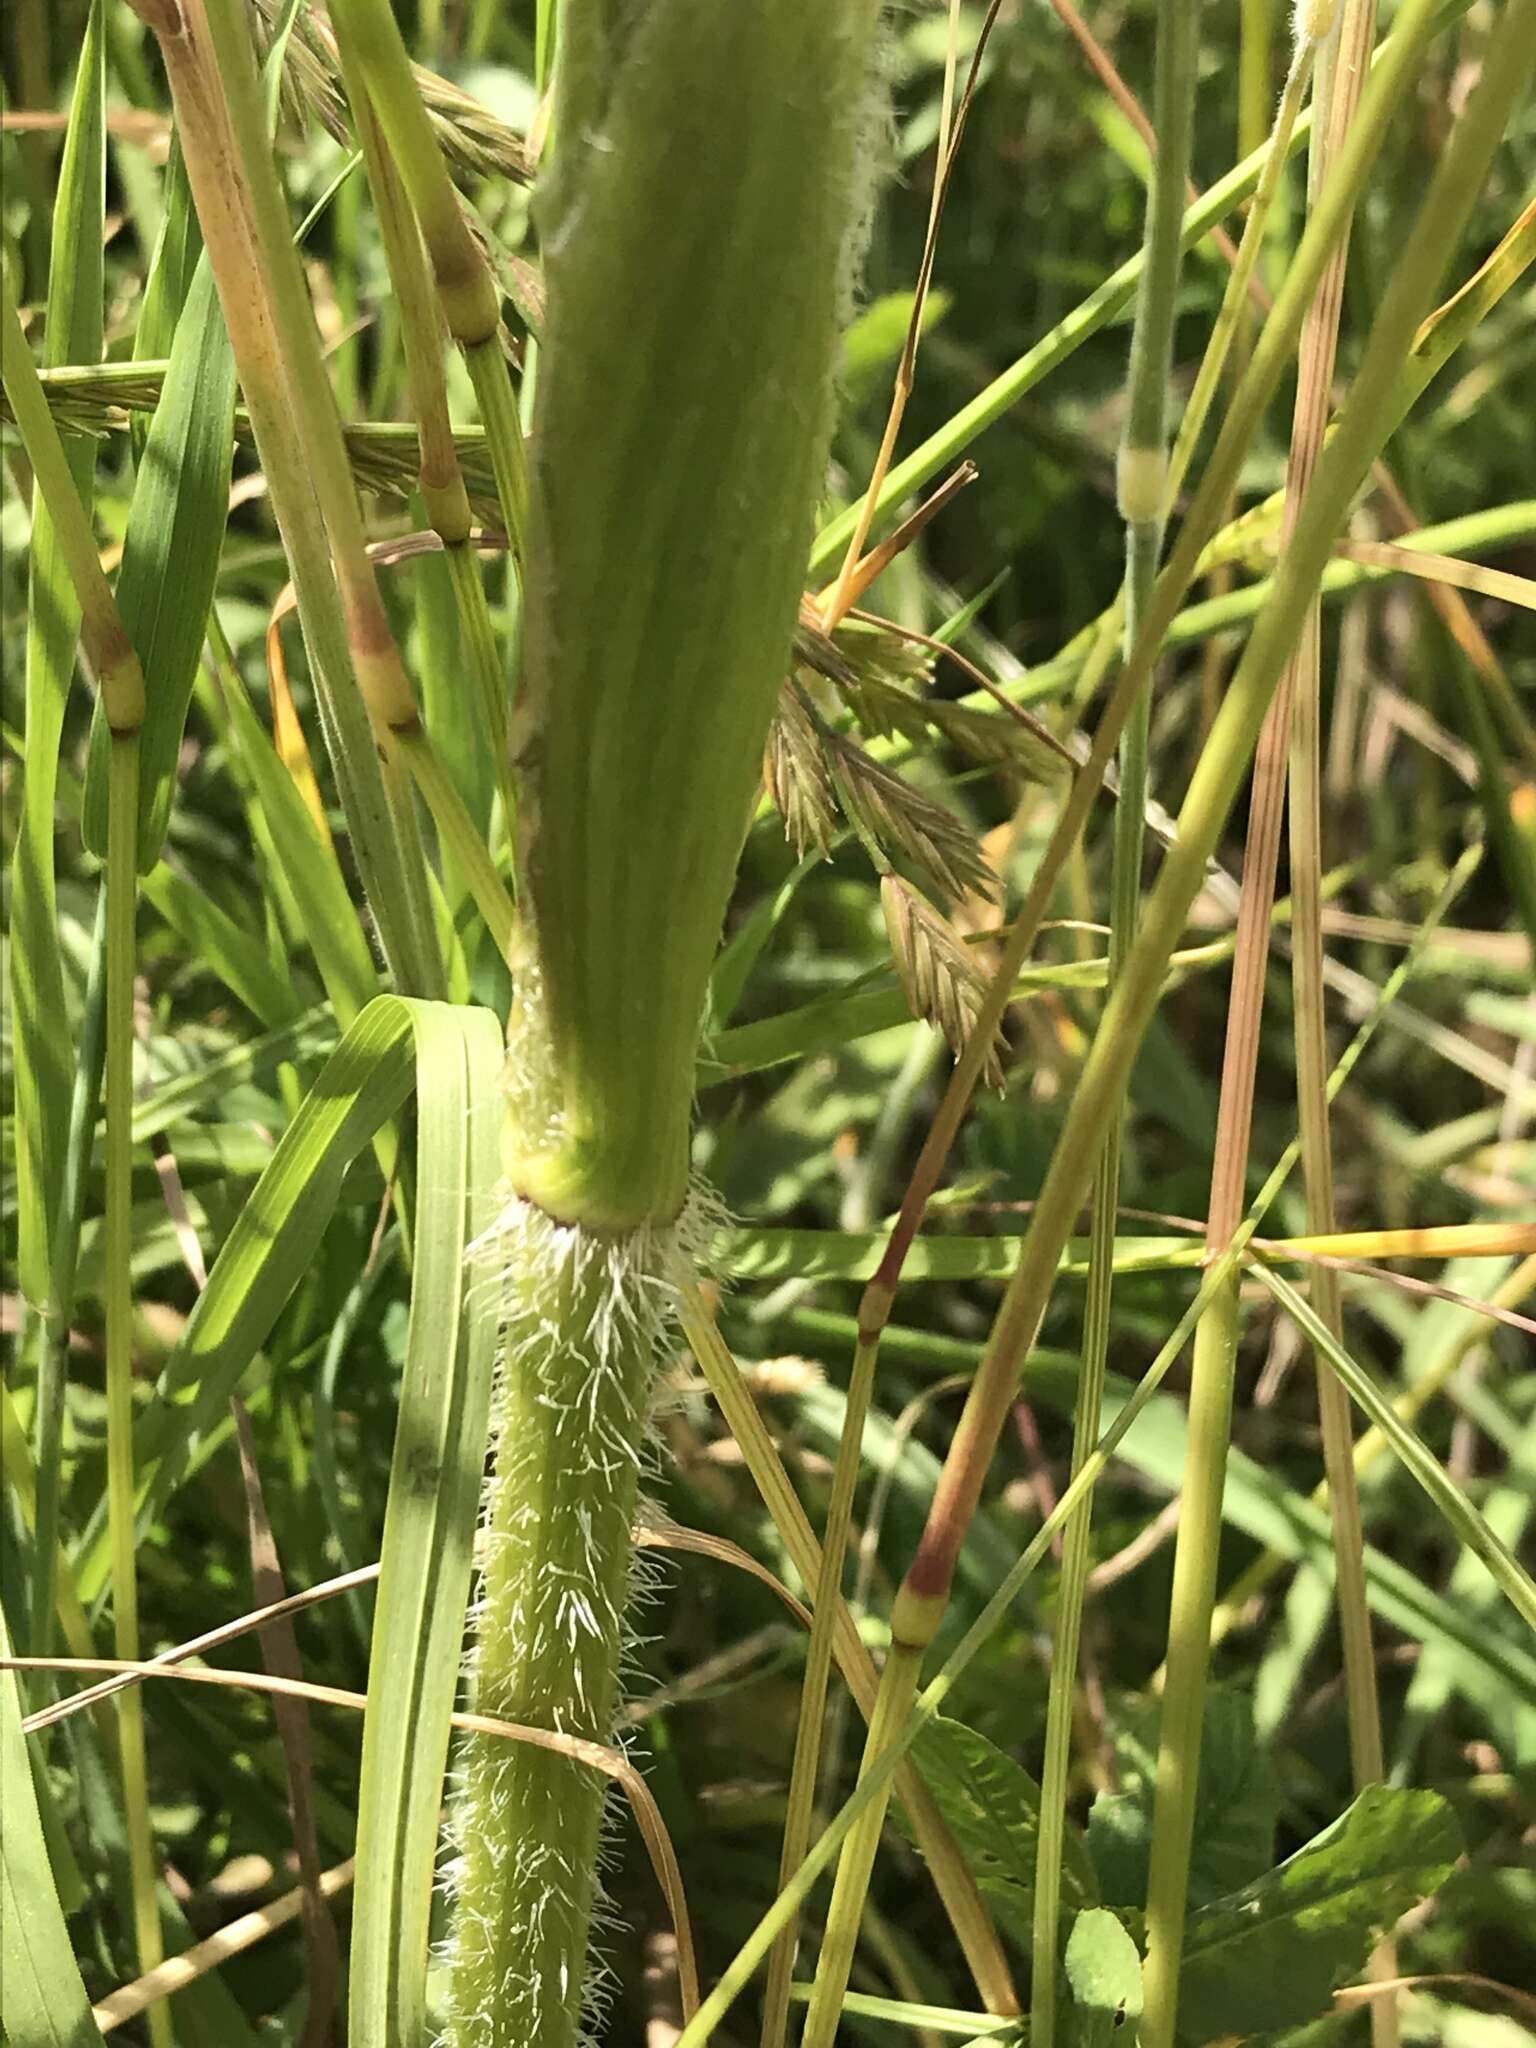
(1189, 1637)
(584, 1315)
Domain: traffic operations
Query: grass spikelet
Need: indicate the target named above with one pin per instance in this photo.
(942, 981)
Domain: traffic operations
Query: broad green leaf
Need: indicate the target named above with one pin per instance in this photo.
(429, 1527)
(1103, 1970)
(171, 557)
(1273, 1954)
(1236, 1806)
(43, 1050)
(43, 2003)
(992, 1806)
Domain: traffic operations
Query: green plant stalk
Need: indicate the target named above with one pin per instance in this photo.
(360, 685)
(1443, 214)
(818, 1663)
(53, 1330)
(1143, 481)
(952, 1878)
(581, 1337)
(921, 1602)
(41, 1048)
(107, 647)
(1211, 1390)
(1344, 62)
(457, 835)
(470, 297)
(1390, 78)
(666, 542)
(122, 895)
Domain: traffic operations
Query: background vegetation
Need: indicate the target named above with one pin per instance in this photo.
(816, 1084)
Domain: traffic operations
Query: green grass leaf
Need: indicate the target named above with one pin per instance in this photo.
(171, 557)
(42, 1999)
(434, 1496)
(1272, 1955)
(41, 1021)
(272, 1244)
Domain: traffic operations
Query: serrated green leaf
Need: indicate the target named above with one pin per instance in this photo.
(171, 557)
(1236, 1807)
(992, 1807)
(1273, 1954)
(1103, 1970)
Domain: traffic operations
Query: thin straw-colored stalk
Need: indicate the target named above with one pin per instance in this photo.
(1389, 80)
(441, 479)
(1211, 1385)
(952, 1879)
(923, 1598)
(1340, 90)
(844, 592)
(1143, 494)
(1211, 1382)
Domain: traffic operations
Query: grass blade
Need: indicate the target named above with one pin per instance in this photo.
(171, 557)
(434, 1496)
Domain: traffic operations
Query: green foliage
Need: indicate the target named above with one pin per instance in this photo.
(1277, 1949)
(993, 1806)
(1103, 1971)
(1236, 1806)
(325, 1152)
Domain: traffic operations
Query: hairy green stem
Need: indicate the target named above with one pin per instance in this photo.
(584, 1314)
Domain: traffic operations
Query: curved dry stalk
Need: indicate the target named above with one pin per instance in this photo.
(594, 1756)
(233, 1939)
